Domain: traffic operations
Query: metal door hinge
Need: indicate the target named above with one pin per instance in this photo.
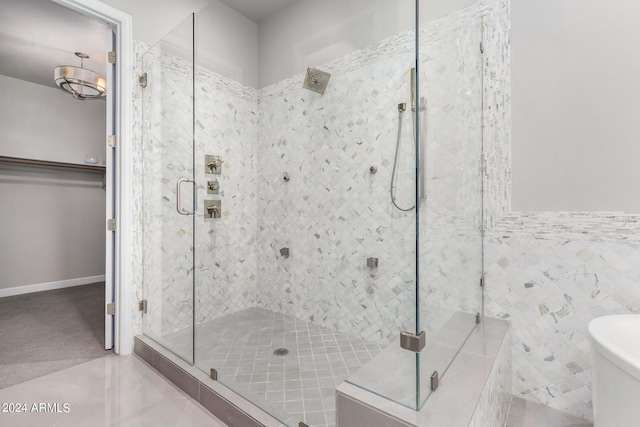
(111, 141)
(142, 80)
(142, 305)
(481, 47)
(111, 57)
(482, 282)
(478, 318)
(435, 380)
(213, 374)
(111, 309)
(111, 224)
(413, 342)
(301, 424)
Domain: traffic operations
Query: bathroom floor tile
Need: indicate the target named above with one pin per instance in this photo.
(241, 347)
(528, 414)
(111, 391)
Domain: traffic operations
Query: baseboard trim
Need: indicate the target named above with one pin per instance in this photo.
(49, 286)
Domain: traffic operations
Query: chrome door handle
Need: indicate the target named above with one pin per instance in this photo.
(179, 208)
(422, 156)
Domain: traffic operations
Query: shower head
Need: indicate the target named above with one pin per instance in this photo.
(316, 80)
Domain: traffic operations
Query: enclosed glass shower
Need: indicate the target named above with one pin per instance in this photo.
(273, 251)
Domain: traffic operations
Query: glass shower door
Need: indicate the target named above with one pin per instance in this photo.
(169, 190)
(450, 111)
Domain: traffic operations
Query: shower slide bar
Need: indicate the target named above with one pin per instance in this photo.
(49, 163)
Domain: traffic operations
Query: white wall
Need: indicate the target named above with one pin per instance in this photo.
(44, 123)
(53, 220)
(227, 43)
(576, 101)
(154, 19)
(315, 32)
(309, 33)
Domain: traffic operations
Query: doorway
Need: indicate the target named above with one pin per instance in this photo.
(71, 177)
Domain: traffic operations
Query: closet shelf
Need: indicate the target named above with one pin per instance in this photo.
(19, 160)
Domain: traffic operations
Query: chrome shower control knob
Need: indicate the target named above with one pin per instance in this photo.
(373, 170)
(286, 177)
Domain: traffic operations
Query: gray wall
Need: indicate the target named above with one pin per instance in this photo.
(52, 220)
(40, 122)
(576, 100)
(227, 43)
(154, 19)
(258, 55)
(309, 33)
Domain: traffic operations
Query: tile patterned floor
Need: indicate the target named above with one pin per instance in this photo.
(120, 391)
(527, 414)
(299, 386)
(124, 391)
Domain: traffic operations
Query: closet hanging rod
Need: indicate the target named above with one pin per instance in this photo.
(19, 160)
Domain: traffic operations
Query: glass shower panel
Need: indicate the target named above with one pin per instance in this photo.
(380, 300)
(168, 196)
(234, 334)
(308, 276)
(450, 111)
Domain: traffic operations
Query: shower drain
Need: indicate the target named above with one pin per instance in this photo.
(281, 351)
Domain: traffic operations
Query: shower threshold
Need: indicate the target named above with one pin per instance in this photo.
(247, 350)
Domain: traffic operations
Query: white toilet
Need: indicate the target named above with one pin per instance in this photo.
(615, 347)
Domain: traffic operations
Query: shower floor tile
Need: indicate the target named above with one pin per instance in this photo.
(298, 386)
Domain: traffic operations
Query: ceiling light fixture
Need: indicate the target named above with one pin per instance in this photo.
(80, 82)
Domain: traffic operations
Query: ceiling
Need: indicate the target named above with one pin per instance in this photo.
(257, 10)
(38, 35)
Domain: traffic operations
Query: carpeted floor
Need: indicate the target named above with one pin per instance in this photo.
(44, 332)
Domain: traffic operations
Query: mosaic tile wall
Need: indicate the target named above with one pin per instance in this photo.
(550, 290)
(226, 126)
(226, 252)
(450, 240)
(549, 273)
(493, 407)
(137, 209)
(166, 158)
(333, 213)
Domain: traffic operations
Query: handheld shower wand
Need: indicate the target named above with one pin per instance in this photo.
(401, 109)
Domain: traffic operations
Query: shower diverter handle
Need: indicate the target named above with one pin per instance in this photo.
(179, 208)
(214, 164)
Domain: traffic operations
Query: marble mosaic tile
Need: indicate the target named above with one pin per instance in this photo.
(332, 213)
(524, 413)
(493, 406)
(497, 113)
(550, 290)
(450, 239)
(136, 213)
(344, 146)
(587, 254)
(225, 248)
(296, 386)
(167, 140)
(549, 273)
